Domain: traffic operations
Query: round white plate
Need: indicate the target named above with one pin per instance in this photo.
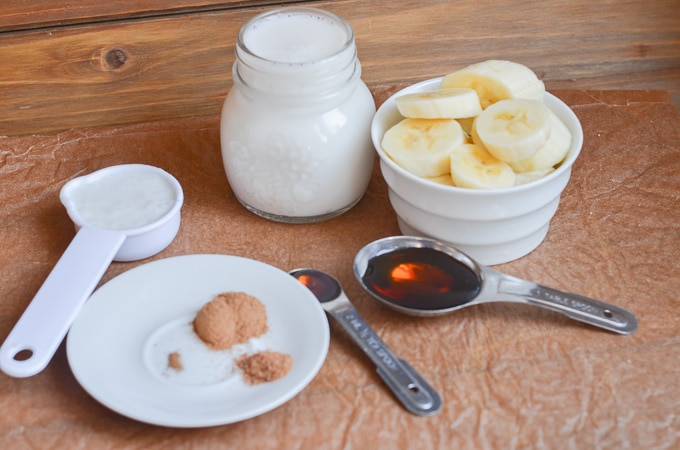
(119, 344)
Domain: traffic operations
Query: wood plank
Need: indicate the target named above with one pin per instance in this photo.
(21, 15)
(177, 66)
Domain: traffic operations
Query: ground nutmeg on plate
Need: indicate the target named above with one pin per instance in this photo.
(265, 366)
(233, 318)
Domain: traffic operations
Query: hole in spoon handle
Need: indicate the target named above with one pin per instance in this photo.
(589, 310)
(575, 306)
(427, 406)
(36, 336)
(417, 396)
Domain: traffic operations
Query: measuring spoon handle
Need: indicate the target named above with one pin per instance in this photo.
(575, 306)
(30, 345)
(404, 381)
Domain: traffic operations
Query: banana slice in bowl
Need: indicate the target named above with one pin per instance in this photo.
(472, 166)
(423, 146)
(496, 80)
(453, 103)
(514, 129)
(551, 153)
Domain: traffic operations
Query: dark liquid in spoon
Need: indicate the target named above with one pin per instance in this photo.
(421, 278)
(322, 285)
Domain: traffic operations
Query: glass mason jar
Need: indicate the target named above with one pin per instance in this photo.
(295, 126)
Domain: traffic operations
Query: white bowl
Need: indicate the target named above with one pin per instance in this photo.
(492, 226)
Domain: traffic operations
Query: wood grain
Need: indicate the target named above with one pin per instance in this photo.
(177, 65)
(22, 15)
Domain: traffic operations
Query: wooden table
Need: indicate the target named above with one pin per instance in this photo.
(511, 376)
(91, 63)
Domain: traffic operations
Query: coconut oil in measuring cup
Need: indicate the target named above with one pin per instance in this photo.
(295, 127)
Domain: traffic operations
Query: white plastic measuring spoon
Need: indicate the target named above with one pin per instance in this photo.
(123, 213)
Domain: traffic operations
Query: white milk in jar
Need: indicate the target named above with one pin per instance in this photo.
(295, 127)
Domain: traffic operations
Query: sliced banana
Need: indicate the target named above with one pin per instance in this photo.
(528, 177)
(423, 146)
(442, 179)
(441, 104)
(552, 153)
(474, 167)
(496, 80)
(514, 130)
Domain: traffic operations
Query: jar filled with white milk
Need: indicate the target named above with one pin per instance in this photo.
(295, 127)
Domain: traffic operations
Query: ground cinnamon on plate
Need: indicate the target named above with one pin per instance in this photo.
(230, 318)
(264, 367)
(174, 361)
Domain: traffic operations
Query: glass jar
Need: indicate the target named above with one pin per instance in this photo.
(295, 126)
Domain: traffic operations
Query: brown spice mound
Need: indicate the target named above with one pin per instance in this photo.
(264, 367)
(174, 361)
(230, 318)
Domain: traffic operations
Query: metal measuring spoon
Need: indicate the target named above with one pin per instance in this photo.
(99, 239)
(410, 388)
(424, 277)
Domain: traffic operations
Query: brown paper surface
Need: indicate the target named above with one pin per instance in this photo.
(511, 376)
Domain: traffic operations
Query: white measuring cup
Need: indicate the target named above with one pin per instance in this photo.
(121, 213)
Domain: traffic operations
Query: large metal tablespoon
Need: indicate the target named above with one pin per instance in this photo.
(425, 277)
(410, 388)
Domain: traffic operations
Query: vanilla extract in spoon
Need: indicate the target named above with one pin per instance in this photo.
(421, 278)
(424, 277)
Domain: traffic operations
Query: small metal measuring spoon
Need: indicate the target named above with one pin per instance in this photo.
(424, 277)
(417, 396)
(36, 336)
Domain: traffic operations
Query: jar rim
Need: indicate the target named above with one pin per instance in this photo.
(243, 50)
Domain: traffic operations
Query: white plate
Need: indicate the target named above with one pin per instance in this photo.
(119, 344)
